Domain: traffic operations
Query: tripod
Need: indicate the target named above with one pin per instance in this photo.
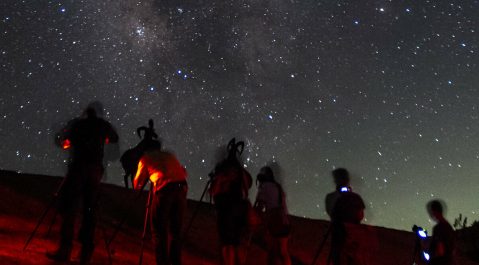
(44, 214)
(417, 247)
(321, 245)
(195, 213)
(123, 219)
(145, 222)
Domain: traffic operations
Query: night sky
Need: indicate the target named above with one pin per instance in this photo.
(387, 89)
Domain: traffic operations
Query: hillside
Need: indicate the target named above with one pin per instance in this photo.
(23, 198)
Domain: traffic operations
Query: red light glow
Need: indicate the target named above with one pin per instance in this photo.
(66, 144)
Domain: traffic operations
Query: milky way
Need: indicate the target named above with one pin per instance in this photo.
(388, 89)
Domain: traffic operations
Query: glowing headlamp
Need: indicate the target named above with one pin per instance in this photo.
(426, 255)
(420, 232)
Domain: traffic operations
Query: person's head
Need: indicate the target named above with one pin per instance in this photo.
(90, 113)
(341, 177)
(436, 209)
(265, 175)
(94, 109)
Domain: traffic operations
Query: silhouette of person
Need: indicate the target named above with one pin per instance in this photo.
(271, 204)
(85, 137)
(229, 190)
(168, 176)
(441, 248)
(344, 207)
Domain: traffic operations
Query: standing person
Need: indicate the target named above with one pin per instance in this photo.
(271, 203)
(85, 137)
(229, 190)
(344, 207)
(168, 176)
(441, 249)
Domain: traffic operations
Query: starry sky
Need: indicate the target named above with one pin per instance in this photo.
(387, 89)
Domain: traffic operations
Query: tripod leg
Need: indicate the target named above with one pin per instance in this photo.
(416, 251)
(195, 213)
(123, 220)
(248, 247)
(107, 247)
(52, 223)
(39, 222)
(44, 214)
(321, 246)
(145, 224)
(103, 230)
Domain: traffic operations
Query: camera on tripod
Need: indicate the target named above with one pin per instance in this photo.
(421, 234)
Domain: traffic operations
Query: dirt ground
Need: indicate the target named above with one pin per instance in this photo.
(24, 197)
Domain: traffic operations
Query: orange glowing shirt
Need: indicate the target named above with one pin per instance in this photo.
(161, 168)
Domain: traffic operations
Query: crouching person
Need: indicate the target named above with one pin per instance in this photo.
(168, 176)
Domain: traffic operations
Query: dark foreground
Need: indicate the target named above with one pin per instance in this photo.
(23, 198)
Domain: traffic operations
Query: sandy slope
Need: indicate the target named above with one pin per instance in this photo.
(23, 198)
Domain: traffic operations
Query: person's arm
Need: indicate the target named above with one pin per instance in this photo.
(141, 176)
(329, 204)
(260, 201)
(112, 135)
(361, 209)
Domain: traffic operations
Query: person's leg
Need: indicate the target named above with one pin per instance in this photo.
(176, 222)
(67, 199)
(273, 249)
(284, 251)
(66, 236)
(338, 236)
(272, 258)
(229, 254)
(90, 200)
(159, 213)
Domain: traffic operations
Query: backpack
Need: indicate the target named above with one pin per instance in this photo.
(230, 179)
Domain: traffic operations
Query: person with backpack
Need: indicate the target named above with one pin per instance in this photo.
(271, 205)
(230, 183)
